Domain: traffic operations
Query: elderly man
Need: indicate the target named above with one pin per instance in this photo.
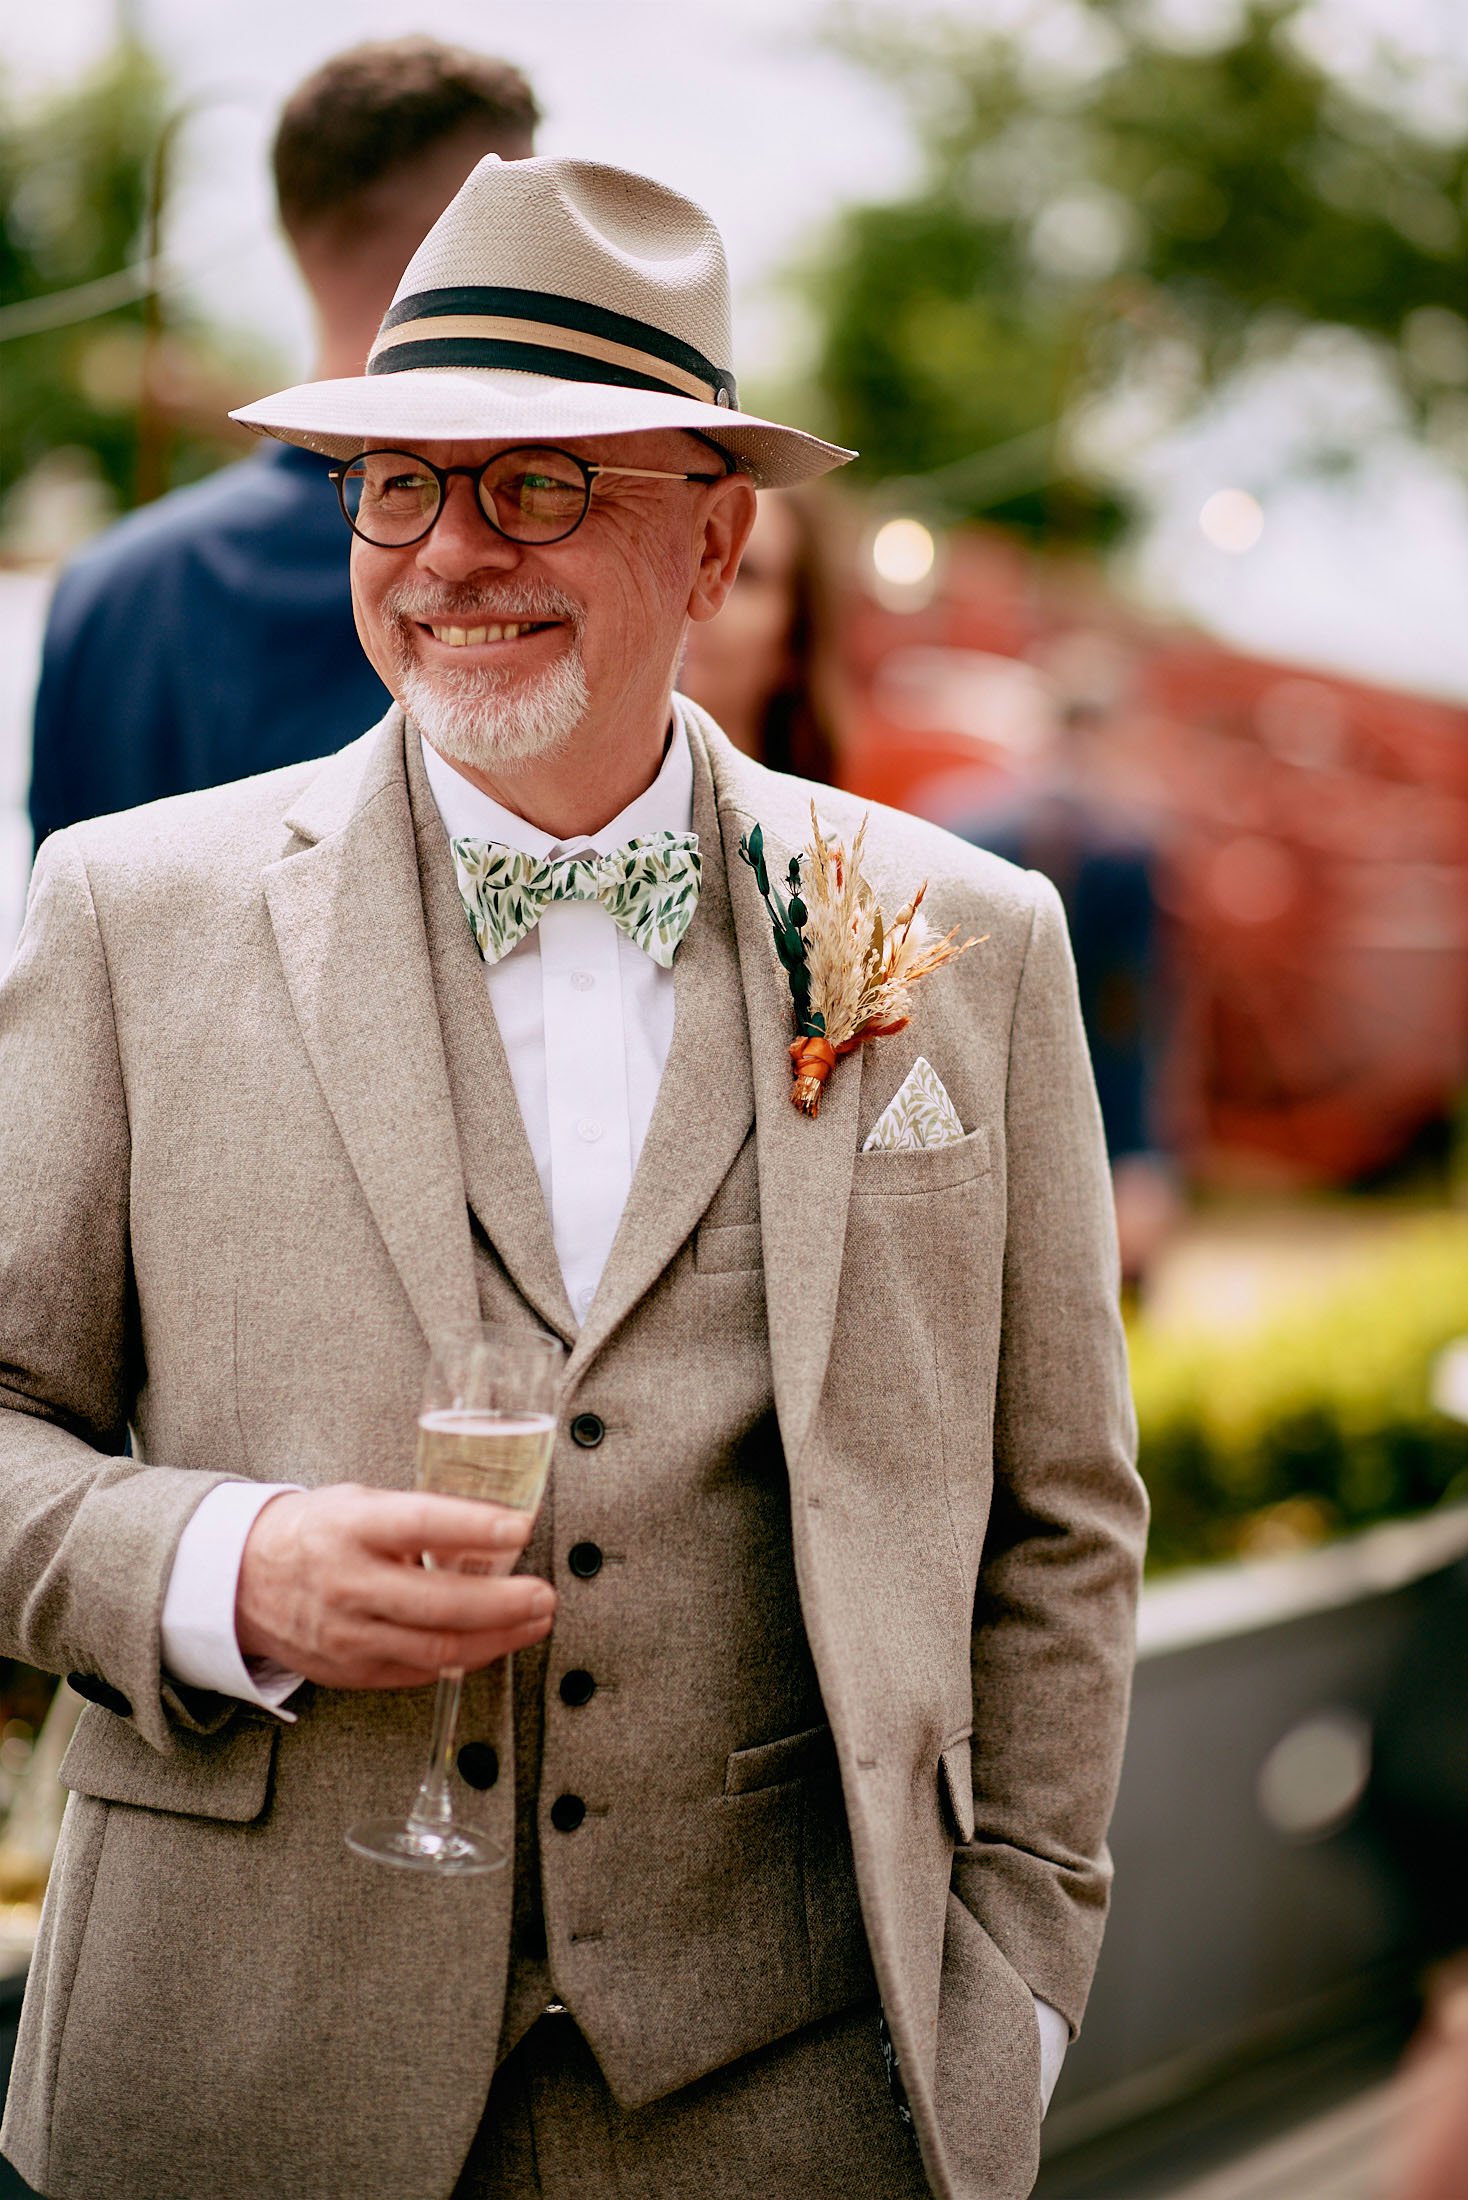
(802, 1718)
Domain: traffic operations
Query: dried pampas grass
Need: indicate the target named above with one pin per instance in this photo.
(852, 972)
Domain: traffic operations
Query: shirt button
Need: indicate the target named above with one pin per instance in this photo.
(584, 1560)
(583, 1303)
(582, 981)
(577, 1687)
(566, 1813)
(587, 1430)
(589, 1129)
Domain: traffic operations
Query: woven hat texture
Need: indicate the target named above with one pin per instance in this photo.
(552, 299)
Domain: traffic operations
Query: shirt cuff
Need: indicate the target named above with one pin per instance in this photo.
(199, 1646)
(1054, 2040)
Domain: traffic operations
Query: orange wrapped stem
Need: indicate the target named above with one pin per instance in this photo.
(812, 1061)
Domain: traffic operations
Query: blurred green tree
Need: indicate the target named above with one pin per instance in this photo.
(1106, 215)
(107, 376)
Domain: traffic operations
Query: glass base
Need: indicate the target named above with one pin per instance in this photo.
(454, 1851)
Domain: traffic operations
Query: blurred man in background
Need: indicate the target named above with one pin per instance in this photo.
(210, 635)
(1067, 822)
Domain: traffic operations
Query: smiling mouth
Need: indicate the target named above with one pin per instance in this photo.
(468, 637)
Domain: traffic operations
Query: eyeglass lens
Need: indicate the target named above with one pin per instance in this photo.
(530, 494)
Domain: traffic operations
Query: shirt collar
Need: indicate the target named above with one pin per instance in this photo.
(470, 814)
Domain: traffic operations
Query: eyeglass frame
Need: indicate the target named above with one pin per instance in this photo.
(591, 470)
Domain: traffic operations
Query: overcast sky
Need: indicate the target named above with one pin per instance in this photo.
(735, 102)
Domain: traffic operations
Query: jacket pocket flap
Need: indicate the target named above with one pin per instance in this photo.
(906, 1171)
(956, 1777)
(720, 1248)
(224, 1775)
(773, 1762)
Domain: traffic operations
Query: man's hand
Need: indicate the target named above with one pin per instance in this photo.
(331, 1585)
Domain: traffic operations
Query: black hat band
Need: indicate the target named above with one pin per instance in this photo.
(536, 332)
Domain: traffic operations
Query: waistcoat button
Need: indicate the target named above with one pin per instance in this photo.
(587, 1430)
(584, 1560)
(577, 1686)
(567, 1812)
(479, 1764)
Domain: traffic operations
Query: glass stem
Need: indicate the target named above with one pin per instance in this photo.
(433, 1806)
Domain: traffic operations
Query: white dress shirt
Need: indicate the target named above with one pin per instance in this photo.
(586, 1018)
(585, 1015)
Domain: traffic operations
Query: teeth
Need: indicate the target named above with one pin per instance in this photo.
(459, 637)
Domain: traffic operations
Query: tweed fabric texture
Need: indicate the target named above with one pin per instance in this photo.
(811, 2116)
(242, 1199)
(578, 234)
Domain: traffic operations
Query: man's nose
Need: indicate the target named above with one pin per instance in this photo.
(461, 541)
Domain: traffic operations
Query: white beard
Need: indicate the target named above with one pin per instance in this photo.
(487, 717)
(479, 719)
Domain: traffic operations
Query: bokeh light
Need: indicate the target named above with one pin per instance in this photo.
(1232, 521)
(903, 553)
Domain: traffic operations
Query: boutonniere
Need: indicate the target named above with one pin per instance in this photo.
(851, 970)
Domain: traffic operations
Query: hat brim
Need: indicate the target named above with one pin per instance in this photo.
(496, 404)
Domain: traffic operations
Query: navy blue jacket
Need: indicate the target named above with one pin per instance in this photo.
(205, 637)
(1104, 870)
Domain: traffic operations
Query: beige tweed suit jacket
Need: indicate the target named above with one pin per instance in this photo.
(233, 1206)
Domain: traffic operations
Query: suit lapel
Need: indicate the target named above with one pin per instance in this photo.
(705, 1100)
(498, 1167)
(804, 1167)
(348, 921)
(353, 927)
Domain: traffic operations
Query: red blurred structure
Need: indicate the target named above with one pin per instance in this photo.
(1314, 834)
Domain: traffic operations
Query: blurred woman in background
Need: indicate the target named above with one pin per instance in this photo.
(767, 666)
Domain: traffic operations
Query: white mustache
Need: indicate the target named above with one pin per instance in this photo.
(531, 601)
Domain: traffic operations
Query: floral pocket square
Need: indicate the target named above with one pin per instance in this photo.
(919, 1114)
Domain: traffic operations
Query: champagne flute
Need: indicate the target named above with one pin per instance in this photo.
(487, 1430)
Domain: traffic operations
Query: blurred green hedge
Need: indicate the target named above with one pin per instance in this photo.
(1314, 1420)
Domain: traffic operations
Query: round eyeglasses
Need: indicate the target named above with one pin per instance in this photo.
(532, 493)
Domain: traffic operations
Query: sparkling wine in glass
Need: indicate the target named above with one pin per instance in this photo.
(486, 1431)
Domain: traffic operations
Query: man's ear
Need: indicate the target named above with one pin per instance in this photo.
(728, 516)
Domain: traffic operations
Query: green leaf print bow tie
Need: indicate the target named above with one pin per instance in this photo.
(649, 888)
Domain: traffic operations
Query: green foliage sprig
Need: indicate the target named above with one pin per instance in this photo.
(787, 921)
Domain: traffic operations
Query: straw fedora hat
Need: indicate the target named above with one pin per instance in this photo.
(552, 298)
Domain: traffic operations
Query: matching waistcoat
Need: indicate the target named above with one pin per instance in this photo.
(683, 1873)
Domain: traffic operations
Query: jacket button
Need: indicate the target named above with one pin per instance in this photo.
(96, 1690)
(584, 1560)
(567, 1812)
(577, 1686)
(479, 1764)
(587, 1430)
